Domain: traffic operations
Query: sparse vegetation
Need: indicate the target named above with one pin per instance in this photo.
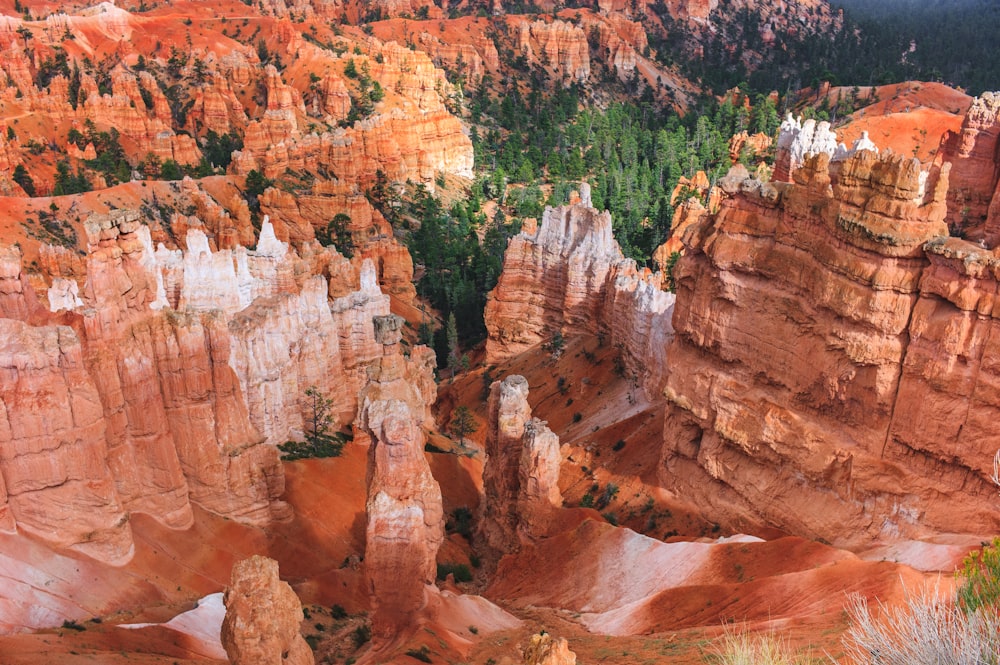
(423, 653)
(927, 628)
(460, 521)
(744, 648)
(462, 423)
(361, 635)
(319, 442)
(459, 571)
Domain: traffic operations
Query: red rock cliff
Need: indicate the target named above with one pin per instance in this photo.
(830, 373)
(177, 374)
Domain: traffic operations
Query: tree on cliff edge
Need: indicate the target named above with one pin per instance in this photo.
(462, 423)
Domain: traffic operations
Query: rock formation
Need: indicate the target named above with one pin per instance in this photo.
(262, 617)
(798, 140)
(177, 374)
(569, 275)
(405, 517)
(543, 649)
(521, 475)
(973, 199)
(559, 46)
(812, 381)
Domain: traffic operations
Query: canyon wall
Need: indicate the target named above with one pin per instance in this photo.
(831, 372)
(166, 380)
(974, 195)
(566, 275)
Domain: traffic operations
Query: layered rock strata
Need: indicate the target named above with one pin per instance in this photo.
(831, 373)
(569, 275)
(798, 140)
(405, 518)
(262, 620)
(164, 380)
(521, 475)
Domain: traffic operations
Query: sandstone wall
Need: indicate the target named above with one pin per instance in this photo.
(828, 375)
(521, 475)
(177, 373)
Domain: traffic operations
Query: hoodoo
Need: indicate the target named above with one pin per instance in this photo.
(405, 517)
(521, 475)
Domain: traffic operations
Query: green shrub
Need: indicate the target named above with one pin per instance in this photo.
(460, 522)
(422, 654)
(361, 635)
(459, 571)
(980, 575)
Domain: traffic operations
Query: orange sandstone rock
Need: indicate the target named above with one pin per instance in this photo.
(826, 288)
(543, 649)
(521, 475)
(570, 274)
(405, 517)
(262, 620)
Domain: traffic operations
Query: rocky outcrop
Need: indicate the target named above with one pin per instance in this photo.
(559, 46)
(798, 140)
(308, 215)
(405, 524)
(812, 384)
(285, 344)
(568, 274)
(53, 451)
(262, 620)
(17, 298)
(975, 172)
(521, 475)
(543, 649)
(413, 140)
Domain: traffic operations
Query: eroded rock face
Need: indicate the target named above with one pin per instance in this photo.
(569, 275)
(178, 373)
(53, 451)
(262, 617)
(405, 517)
(521, 475)
(812, 384)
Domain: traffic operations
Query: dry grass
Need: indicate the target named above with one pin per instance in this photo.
(743, 648)
(926, 630)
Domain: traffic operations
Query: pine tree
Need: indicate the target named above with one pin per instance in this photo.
(451, 334)
(22, 178)
(462, 423)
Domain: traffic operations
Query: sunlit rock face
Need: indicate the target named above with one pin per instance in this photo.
(263, 614)
(166, 380)
(567, 274)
